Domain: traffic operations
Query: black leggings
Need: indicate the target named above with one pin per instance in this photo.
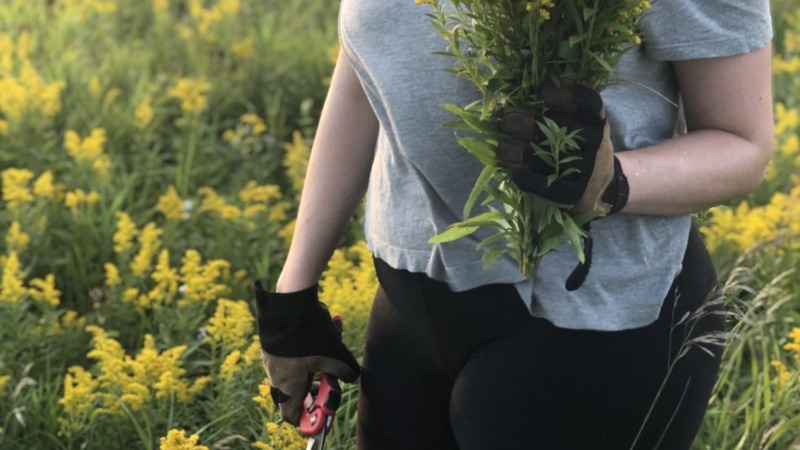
(474, 370)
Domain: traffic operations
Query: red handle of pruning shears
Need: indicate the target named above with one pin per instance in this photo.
(317, 419)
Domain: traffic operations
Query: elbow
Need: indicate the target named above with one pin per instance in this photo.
(761, 154)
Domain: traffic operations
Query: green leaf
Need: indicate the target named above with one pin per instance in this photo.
(453, 233)
(470, 119)
(492, 239)
(480, 149)
(492, 218)
(480, 186)
(491, 255)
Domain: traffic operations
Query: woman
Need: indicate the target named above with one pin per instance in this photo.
(458, 356)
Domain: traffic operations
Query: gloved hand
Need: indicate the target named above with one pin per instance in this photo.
(597, 183)
(299, 339)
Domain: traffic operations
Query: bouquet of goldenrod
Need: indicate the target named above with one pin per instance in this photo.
(538, 65)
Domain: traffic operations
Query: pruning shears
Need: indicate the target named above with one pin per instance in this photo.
(316, 420)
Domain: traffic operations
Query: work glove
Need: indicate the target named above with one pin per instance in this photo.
(595, 182)
(298, 339)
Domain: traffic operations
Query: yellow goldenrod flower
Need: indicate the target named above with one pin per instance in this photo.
(192, 94)
(95, 86)
(794, 345)
(143, 115)
(296, 160)
(79, 394)
(243, 50)
(112, 275)
(230, 7)
(348, 286)
(15, 186)
(11, 288)
(44, 186)
(160, 6)
(253, 353)
(256, 123)
(4, 379)
(88, 148)
(74, 198)
(171, 205)
(44, 291)
(201, 282)
(252, 192)
(212, 201)
(784, 376)
(71, 319)
(165, 277)
(125, 234)
(16, 239)
(149, 243)
(283, 436)
(231, 325)
(102, 165)
(177, 440)
(230, 365)
(130, 295)
(264, 399)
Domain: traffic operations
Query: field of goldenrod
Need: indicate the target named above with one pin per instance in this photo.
(152, 153)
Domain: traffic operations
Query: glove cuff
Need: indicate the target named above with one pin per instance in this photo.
(616, 194)
(286, 305)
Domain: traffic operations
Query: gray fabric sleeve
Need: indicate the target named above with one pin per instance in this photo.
(691, 29)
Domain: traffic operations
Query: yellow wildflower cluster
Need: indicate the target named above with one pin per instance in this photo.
(231, 325)
(44, 291)
(177, 440)
(4, 379)
(160, 6)
(282, 437)
(143, 115)
(125, 380)
(89, 149)
(247, 132)
(202, 282)
(542, 7)
(16, 239)
(296, 161)
(171, 205)
(787, 142)
(206, 18)
(12, 289)
(191, 92)
(22, 89)
(243, 50)
(264, 399)
(126, 233)
(194, 281)
(745, 226)
(78, 197)
(788, 62)
(349, 285)
(149, 243)
(15, 186)
(257, 199)
(784, 375)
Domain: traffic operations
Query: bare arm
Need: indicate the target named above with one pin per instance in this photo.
(728, 105)
(336, 180)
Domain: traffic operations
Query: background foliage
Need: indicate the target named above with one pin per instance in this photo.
(152, 153)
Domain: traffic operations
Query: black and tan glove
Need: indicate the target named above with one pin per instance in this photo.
(299, 339)
(596, 184)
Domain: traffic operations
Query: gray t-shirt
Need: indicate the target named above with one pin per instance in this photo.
(421, 178)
